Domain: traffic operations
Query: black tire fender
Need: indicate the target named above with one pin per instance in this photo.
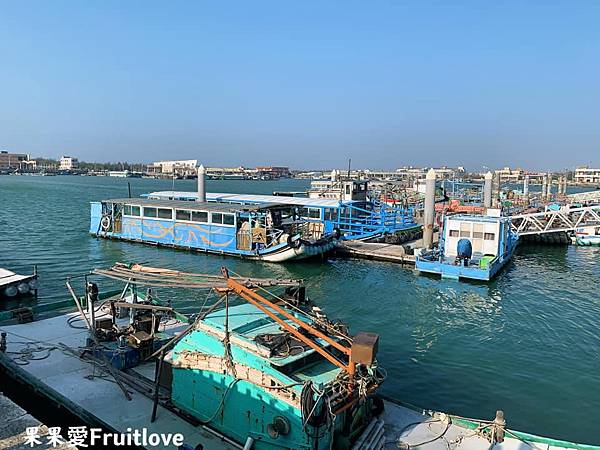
(337, 234)
(294, 243)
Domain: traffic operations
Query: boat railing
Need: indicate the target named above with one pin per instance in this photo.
(382, 218)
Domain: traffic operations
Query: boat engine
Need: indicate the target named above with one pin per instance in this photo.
(464, 252)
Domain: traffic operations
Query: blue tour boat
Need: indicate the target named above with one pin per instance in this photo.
(472, 247)
(268, 232)
(355, 216)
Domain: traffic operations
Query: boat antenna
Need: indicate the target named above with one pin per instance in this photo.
(129, 188)
(349, 164)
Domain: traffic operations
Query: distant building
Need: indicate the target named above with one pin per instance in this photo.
(178, 167)
(12, 160)
(67, 163)
(508, 174)
(586, 175)
(29, 165)
(273, 171)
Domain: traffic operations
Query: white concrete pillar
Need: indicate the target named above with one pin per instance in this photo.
(487, 190)
(201, 184)
(429, 212)
(526, 185)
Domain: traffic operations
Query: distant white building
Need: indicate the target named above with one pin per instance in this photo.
(67, 163)
(178, 166)
(586, 175)
(508, 174)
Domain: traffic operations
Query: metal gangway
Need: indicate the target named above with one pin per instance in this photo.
(565, 219)
(582, 197)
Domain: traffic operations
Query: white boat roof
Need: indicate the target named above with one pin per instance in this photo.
(219, 196)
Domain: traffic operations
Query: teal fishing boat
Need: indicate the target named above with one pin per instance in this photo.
(259, 367)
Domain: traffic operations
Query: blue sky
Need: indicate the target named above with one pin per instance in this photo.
(306, 84)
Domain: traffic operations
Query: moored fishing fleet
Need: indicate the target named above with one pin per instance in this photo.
(261, 366)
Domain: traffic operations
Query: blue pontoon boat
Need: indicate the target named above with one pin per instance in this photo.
(268, 232)
(356, 218)
(471, 247)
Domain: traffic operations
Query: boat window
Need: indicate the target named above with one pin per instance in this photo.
(330, 213)
(489, 236)
(347, 189)
(150, 212)
(465, 233)
(453, 233)
(216, 218)
(310, 213)
(200, 216)
(165, 213)
(130, 210)
(228, 219)
(183, 214)
(477, 234)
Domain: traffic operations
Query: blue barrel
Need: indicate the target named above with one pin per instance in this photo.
(464, 249)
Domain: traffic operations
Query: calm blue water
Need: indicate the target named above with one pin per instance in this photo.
(527, 343)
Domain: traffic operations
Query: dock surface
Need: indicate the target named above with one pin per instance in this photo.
(14, 421)
(83, 389)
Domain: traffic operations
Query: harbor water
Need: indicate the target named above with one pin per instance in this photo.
(527, 342)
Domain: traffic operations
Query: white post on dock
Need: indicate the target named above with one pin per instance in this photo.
(429, 212)
(559, 185)
(487, 190)
(565, 185)
(549, 186)
(201, 187)
(544, 187)
(526, 185)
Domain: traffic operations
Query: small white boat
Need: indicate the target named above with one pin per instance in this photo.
(13, 284)
(588, 235)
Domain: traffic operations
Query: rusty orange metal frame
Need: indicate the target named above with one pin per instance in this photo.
(264, 304)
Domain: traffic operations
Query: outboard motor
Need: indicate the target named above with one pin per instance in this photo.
(464, 252)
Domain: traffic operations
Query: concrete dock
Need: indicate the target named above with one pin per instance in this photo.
(14, 421)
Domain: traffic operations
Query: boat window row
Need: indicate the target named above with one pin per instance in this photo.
(131, 210)
(187, 215)
(474, 235)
